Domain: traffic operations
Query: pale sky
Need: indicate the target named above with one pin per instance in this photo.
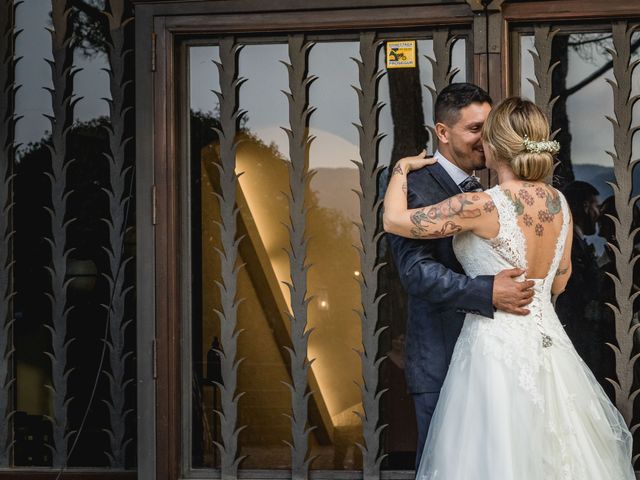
(591, 131)
(33, 73)
(332, 94)
(335, 101)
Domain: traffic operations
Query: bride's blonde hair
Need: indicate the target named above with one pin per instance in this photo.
(513, 130)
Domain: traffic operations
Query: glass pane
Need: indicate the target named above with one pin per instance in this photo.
(203, 117)
(334, 207)
(262, 158)
(32, 369)
(263, 211)
(97, 264)
(333, 212)
(585, 168)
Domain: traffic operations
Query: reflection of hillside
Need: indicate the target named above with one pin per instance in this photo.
(333, 188)
(596, 175)
(599, 175)
(264, 214)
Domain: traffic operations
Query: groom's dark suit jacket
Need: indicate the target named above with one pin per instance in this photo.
(439, 292)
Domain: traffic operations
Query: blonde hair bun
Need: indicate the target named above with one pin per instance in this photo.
(518, 132)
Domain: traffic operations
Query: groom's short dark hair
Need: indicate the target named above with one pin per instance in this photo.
(455, 97)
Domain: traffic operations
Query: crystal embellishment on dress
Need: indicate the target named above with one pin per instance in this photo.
(547, 341)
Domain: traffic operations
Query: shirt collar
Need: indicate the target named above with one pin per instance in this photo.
(456, 173)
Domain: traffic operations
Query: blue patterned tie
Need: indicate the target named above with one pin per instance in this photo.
(470, 184)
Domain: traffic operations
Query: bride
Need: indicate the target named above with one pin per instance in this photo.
(518, 403)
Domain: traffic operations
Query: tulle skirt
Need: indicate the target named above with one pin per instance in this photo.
(499, 420)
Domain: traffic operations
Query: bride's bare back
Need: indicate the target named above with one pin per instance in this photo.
(539, 214)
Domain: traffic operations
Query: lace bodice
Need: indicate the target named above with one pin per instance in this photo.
(517, 341)
(479, 256)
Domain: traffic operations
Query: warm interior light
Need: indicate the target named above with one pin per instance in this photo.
(265, 213)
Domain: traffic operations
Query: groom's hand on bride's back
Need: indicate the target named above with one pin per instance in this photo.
(512, 295)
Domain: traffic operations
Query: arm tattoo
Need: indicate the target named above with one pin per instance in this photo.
(449, 228)
(404, 187)
(454, 207)
(561, 271)
(489, 206)
(397, 170)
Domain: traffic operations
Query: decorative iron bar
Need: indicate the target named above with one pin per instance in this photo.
(443, 43)
(623, 133)
(7, 152)
(63, 101)
(230, 116)
(299, 177)
(369, 170)
(442, 73)
(542, 86)
(119, 197)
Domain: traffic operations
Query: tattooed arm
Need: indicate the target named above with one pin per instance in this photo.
(564, 269)
(453, 215)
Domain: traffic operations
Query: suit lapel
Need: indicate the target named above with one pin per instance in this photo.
(442, 177)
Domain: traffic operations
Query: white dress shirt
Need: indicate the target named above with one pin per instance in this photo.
(456, 173)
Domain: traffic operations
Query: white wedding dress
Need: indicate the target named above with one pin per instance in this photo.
(518, 403)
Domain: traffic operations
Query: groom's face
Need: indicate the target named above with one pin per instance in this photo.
(461, 141)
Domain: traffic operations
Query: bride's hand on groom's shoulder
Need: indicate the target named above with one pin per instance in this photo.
(416, 162)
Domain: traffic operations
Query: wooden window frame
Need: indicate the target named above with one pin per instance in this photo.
(158, 151)
(158, 24)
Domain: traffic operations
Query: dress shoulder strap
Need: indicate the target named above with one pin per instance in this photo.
(510, 240)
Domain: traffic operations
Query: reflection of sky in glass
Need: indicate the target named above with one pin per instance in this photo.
(33, 72)
(268, 108)
(92, 84)
(261, 95)
(336, 104)
(203, 79)
(590, 130)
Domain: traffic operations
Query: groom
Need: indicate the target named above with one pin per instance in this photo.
(439, 292)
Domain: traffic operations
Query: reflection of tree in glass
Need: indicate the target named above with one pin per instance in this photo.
(592, 48)
(87, 176)
(202, 133)
(90, 26)
(330, 231)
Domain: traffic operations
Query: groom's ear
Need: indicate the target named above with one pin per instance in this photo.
(442, 131)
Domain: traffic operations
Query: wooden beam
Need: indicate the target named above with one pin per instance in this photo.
(554, 10)
(309, 21)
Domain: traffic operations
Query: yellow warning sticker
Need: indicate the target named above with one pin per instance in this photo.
(401, 54)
